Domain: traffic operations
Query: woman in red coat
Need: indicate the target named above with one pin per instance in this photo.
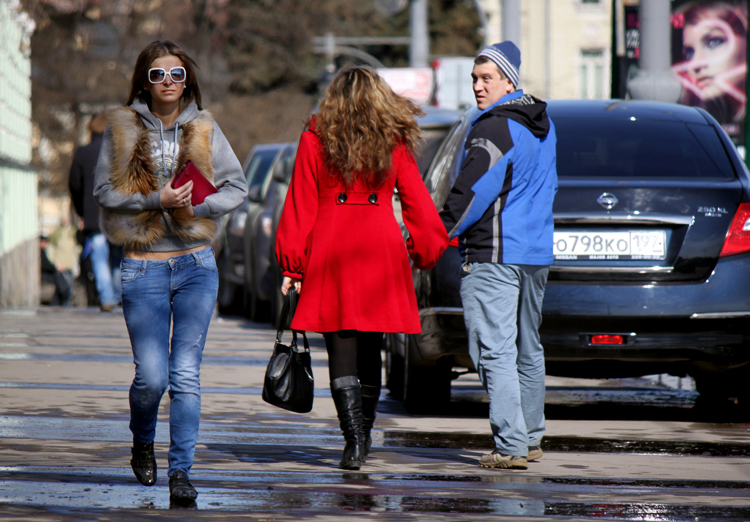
(338, 238)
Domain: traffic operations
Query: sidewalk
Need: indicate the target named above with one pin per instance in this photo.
(65, 443)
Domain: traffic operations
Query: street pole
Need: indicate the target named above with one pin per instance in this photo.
(419, 49)
(655, 79)
(512, 21)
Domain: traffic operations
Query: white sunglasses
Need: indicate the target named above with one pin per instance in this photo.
(159, 74)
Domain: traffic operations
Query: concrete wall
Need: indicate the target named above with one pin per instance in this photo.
(19, 246)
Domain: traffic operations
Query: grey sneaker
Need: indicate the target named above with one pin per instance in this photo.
(535, 453)
(498, 460)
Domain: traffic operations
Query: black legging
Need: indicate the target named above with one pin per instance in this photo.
(355, 353)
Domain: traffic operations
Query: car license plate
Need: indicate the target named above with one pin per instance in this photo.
(610, 245)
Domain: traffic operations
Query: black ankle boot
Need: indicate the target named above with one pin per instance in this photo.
(370, 397)
(346, 396)
(144, 462)
(181, 491)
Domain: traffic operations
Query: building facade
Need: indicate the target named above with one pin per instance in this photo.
(19, 244)
(566, 46)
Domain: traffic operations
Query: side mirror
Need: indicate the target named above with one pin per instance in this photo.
(254, 194)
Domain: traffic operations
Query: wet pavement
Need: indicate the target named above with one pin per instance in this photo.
(614, 450)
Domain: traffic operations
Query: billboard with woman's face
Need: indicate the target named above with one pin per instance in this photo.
(709, 56)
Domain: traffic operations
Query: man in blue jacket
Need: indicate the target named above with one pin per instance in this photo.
(500, 207)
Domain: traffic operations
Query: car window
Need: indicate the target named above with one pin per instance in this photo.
(447, 162)
(259, 167)
(639, 149)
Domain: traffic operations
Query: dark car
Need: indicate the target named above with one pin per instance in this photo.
(652, 257)
(258, 233)
(231, 249)
(434, 126)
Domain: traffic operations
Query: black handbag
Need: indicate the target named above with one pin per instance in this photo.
(289, 382)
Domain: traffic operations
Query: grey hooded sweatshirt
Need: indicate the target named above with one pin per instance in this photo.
(228, 176)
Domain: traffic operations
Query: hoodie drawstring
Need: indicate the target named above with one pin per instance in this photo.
(174, 153)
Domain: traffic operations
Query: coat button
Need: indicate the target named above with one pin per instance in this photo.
(342, 198)
(373, 198)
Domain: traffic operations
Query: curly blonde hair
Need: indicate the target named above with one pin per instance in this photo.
(360, 122)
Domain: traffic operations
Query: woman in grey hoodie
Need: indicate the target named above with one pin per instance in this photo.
(169, 276)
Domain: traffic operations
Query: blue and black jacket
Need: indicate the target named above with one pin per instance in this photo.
(500, 205)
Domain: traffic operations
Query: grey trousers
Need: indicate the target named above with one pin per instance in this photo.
(503, 311)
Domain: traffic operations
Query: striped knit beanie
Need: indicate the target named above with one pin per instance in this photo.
(507, 57)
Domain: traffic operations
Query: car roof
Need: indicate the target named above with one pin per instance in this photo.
(438, 117)
(268, 146)
(624, 109)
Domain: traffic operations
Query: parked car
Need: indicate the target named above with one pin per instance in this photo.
(230, 249)
(257, 237)
(434, 126)
(652, 257)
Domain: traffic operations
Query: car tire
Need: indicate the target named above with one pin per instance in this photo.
(427, 389)
(227, 297)
(277, 301)
(394, 366)
(257, 310)
(724, 396)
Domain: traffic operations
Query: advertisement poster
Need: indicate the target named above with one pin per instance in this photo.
(709, 47)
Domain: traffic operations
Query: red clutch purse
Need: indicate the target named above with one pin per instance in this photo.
(201, 186)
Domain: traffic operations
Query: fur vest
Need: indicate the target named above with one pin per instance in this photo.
(132, 172)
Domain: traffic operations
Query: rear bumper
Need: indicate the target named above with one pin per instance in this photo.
(726, 291)
(665, 325)
(720, 341)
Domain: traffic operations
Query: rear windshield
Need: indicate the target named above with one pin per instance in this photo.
(639, 149)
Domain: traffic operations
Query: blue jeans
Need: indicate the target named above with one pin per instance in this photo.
(503, 311)
(179, 293)
(102, 270)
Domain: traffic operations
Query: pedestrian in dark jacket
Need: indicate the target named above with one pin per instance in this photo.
(501, 209)
(81, 184)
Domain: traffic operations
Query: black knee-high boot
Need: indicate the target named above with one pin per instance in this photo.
(370, 397)
(348, 400)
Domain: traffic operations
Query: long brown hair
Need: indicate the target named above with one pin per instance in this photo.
(360, 122)
(155, 50)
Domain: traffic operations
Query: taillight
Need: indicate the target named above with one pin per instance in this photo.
(738, 236)
(607, 339)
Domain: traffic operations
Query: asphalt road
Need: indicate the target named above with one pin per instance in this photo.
(617, 450)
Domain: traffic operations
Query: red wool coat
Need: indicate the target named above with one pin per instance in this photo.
(346, 246)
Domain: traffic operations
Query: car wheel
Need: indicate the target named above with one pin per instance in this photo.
(277, 301)
(724, 396)
(427, 389)
(394, 366)
(257, 310)
(227, 297)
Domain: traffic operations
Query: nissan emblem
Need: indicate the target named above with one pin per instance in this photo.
(607, 200)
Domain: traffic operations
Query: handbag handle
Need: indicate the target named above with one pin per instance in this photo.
(291, 294)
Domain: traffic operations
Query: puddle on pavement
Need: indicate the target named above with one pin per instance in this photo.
(330, 493)
(248, 438)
